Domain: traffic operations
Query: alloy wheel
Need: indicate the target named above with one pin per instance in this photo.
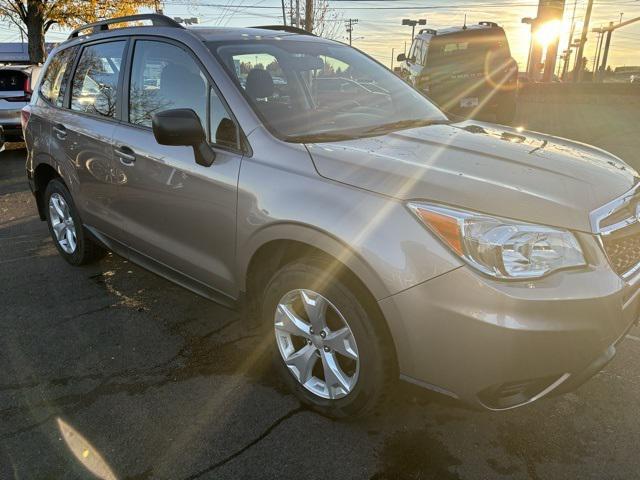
(316, 344)
(62, 223)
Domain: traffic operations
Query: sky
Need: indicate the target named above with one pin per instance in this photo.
(379, 28)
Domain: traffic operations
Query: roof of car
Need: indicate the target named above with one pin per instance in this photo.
(165, 26)
(205, 34)
(209, 34)
(159, 21)
(428, 32)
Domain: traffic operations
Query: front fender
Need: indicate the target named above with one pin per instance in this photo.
(309, 235)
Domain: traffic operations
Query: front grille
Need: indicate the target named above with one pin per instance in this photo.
(623, 249)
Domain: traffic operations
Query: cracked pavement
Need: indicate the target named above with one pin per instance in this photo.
(113, 370)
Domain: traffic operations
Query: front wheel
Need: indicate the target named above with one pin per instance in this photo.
(331, 348)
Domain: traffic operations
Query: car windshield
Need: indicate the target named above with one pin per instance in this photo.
(319, 91)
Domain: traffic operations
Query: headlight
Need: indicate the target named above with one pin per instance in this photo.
(500, 247)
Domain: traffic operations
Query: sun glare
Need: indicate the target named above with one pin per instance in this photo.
(548, 32)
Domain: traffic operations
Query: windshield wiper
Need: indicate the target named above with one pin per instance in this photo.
(355, 134)
(403, 125)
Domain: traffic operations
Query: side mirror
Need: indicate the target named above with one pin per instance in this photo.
(182, 127)
(401, 58)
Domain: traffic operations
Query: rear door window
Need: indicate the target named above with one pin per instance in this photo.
(54, 82)
(94, 88)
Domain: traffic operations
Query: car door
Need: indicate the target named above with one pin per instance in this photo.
(82, 133)
(180, 214)
(47, 102)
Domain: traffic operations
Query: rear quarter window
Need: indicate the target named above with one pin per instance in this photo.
(54, 82)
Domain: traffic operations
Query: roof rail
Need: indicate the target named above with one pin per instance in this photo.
(285, 28)
(156, 19)
(488, 24)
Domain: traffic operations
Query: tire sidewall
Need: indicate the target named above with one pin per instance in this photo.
(304, 276)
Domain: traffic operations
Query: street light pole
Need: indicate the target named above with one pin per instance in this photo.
(412, 24)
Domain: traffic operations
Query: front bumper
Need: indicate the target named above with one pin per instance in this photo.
(504, 344)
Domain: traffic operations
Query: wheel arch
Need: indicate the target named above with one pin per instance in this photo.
(287, 241)
(44, 172)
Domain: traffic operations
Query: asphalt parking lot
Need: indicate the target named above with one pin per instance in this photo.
(110, 369)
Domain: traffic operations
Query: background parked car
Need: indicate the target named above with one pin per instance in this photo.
(15, 93)
(466, 70)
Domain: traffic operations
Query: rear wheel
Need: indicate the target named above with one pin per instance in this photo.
(69, 236)
(330, 347)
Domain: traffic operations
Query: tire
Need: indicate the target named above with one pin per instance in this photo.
(77, 248)
(374, 371)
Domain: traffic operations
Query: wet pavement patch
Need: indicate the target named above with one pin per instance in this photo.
(416, 454)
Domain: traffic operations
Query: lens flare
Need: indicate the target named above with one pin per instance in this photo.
(548, 32)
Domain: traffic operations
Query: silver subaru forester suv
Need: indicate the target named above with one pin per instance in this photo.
(377, 239)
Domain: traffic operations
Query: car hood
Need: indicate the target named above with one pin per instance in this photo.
(483, 167)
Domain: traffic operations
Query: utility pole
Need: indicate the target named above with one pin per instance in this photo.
(350, 23)
(549, 12)
(567, 60)
(608, 31)
(308, 16)
(605, 55)
(577, 73)
(569, 50)
(596, 57)
(607, 45)
(392, 55)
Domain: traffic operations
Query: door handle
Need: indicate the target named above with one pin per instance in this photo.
(60, 131)
(126, 155)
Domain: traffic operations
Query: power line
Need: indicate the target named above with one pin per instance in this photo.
(425, 7)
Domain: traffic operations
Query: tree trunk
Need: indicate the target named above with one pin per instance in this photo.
(35, 30)
(308, 16)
